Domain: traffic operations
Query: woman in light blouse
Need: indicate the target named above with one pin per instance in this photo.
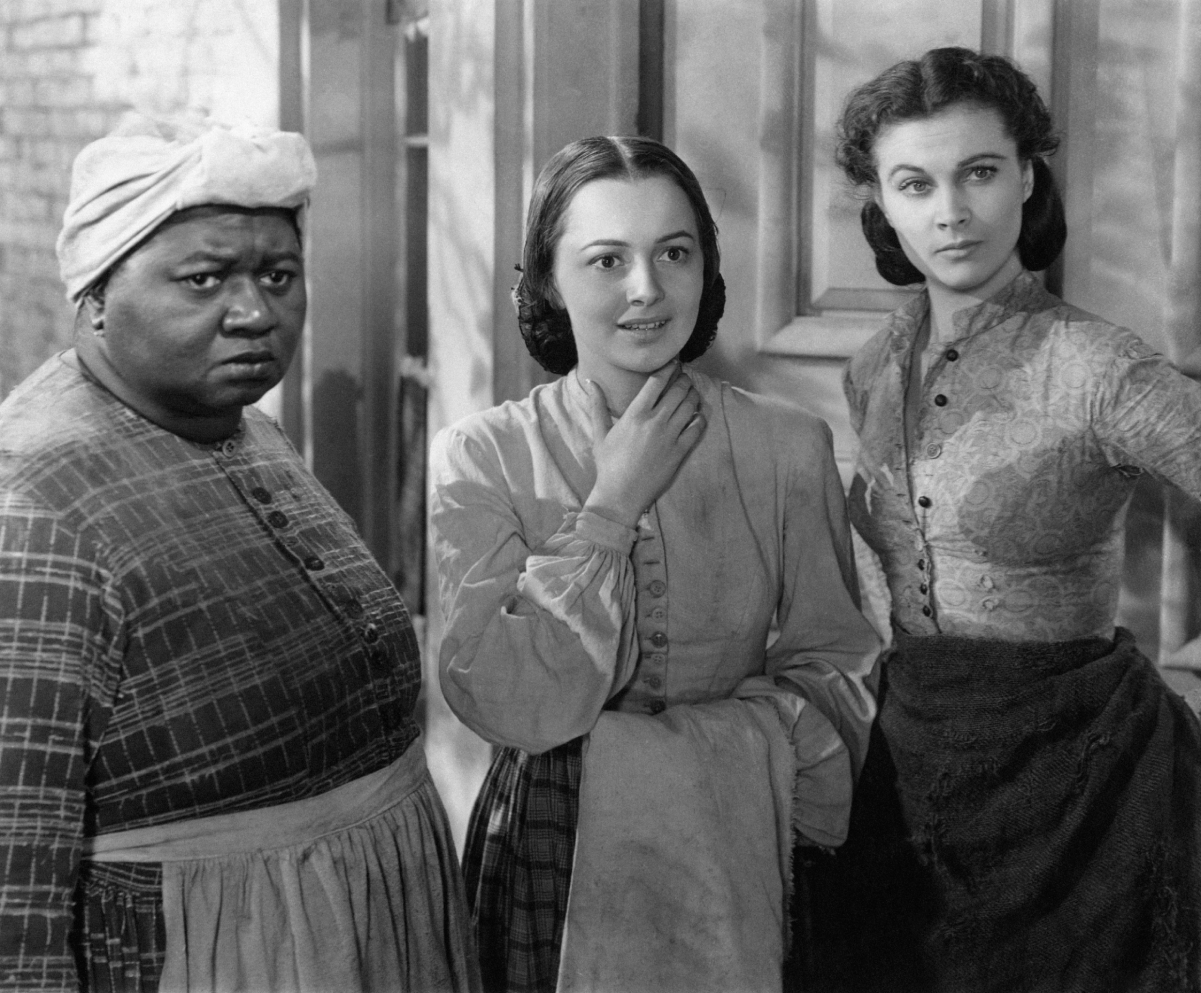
(1027, 816)
(614, 549)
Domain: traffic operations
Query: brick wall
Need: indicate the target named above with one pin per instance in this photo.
(68, 69)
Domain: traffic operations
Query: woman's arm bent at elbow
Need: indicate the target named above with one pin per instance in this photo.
(536, 639)
(827, 650)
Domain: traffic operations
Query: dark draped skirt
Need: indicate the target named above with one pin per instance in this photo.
(1027, 820)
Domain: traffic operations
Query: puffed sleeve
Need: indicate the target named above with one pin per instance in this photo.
(537, 639)
(1146, 413)
(56, 621)
(825, 655)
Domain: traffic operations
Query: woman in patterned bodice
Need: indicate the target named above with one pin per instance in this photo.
(1027, 816)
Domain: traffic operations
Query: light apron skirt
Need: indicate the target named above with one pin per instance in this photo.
(355, 889)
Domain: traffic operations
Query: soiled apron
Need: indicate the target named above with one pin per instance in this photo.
(355, 889)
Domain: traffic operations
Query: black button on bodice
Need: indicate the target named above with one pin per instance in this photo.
(371, 634)
(940, 401)
(261, 495)
(277, 519)
(952, 355)
(924, 501)
(658, 706)
(923, 588)
(314, 563)
(921, 564)
(658, 639)
(927, 611)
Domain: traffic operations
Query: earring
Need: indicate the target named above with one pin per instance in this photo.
(98, 325)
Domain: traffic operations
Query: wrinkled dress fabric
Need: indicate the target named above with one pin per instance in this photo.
(683, 859)
(517, 864)
(1026, 818)
(311, 895)
(324, 916)
(188, 631)
(555, 614)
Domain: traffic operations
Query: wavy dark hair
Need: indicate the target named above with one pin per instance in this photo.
(545, 327)
(919, 88)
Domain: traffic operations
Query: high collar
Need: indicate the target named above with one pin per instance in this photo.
(1023, 293)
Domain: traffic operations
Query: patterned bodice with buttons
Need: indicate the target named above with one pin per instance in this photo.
(996, 503)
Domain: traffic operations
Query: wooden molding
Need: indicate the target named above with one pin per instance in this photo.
(817, 291)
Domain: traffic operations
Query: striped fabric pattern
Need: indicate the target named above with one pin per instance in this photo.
(185, 630)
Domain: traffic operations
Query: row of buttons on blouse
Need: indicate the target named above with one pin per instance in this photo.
(369, 632)
(924, 588)
(658, 639)
(933, 451)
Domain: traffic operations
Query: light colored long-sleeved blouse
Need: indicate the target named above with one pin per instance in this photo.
(997, 503)
(554, 613)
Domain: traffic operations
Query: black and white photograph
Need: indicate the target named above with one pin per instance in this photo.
(600, 496)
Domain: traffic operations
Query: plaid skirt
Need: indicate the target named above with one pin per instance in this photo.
(1027, 820)
(517, 863)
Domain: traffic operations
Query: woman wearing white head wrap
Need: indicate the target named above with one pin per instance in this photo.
(210, 773)
(127, 184)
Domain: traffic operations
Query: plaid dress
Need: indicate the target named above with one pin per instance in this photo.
(517, 863)
(185, 630)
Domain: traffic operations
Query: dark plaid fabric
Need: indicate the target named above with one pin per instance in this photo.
(185, 630)
(517, 862)
(120, 941)
(1027, 821)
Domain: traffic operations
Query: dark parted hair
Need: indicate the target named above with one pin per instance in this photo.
(919, 88)
(546, 327)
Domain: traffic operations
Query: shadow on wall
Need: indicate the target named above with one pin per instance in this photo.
(335, 427)
(465, 315)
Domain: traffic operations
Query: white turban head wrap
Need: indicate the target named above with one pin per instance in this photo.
(126, 184)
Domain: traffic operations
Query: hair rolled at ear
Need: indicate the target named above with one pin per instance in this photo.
(922, 87)
(545, 326)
